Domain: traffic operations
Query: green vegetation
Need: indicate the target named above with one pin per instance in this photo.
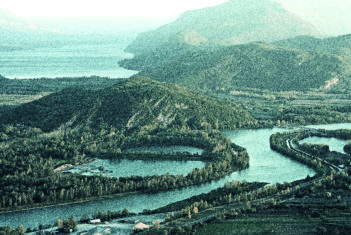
(107, 215)
(8, 230)
(335, 45)
(214, 198)
(284, 219)
(255, 65)
(46, 124)
(138, 103)
(347, 148)
(319, 205)
(29, 158)
(14, 92)
(67, 225)
(41, 85)
(105, 123)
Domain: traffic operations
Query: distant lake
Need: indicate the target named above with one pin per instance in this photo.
(86, 59)
(168, 149)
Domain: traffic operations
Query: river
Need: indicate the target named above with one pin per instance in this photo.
(265, 166)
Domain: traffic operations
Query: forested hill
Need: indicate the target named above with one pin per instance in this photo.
(254, 65)
(233, 22)
(139, 103)
(340, 45)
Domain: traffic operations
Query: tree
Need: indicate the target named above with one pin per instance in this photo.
(157, 224)
(85, 218)
(69, 225)
(125, 212)
(20, 229)
(195, 210)
(59, 223)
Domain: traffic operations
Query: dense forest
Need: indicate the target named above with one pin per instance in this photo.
(255, 65)
(133, 104)
(29, 160)
(40, 85)
(340, 45)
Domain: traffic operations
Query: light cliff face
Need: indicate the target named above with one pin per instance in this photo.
(234, 22)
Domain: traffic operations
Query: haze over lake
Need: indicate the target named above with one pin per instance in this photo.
(75, 60)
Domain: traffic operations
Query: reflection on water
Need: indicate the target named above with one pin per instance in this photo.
(265, 166)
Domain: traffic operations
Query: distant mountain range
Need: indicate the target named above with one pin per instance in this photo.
(135, 104)
(16, 33)
(212, 49)
(234, 22)
(12, 23)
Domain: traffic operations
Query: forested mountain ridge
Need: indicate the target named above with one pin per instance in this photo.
(340, 45)
(233, 22)
(276, 51)
(135, 104)
(40, 85)
(254, 65)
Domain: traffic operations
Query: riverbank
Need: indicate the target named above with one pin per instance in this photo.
(325, 197)
(41, 206)
(265, 166)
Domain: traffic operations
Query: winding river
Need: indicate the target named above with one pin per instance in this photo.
(265, 166)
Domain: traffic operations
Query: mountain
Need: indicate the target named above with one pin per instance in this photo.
(340, 45)
(11, 23)
(16, 33)
(253, 65)
(234, 22)
(134, 104)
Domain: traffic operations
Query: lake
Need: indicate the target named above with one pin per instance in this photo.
(333, 143)
(76, 60)
(168, 149)
(124, 167)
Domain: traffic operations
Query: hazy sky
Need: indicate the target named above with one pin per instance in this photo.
(149, 8)
(330, 16)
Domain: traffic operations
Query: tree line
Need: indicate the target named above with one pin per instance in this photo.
(29, 157)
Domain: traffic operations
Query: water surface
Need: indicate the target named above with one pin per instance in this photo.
(66, 61)
(168, 149)
(333, 143)
(124, 167)
(265, 166)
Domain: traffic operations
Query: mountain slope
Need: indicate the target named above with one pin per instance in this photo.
(136, 103)
(254, 65)
(340, 45)
(234, 22)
